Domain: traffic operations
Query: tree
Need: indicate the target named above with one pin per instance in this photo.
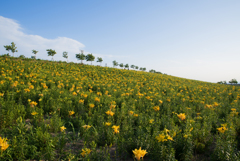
(81, 56)
(144, 69)
(11, 48)
(222, 82)
(136, 67)
(152, 71)
(115, 63)
(132, 66)
(51, 52)
(126, 66)
(121, 65)
(65, 55)
(35, 52)
(90, 57)
(141, 68)
(99, 60)
(22, 57)
(233, 81)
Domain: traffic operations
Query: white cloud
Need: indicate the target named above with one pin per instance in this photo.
(11, 31)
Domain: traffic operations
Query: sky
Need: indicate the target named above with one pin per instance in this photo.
(191, 39)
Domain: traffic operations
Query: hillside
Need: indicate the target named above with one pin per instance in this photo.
(58, 110)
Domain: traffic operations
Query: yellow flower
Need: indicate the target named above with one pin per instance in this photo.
(135, 115)
(97, 99)
(191, 129)
(1, 94)
(85, 152)
(224, 125)
(139, 153)
(151, 121)
(109, 113)
(215, 104)
(91, 105)
(115, 129)
(112, 106)
(222, 129)
(27, 90)
(31, 87)
(3, 144)
(62, 128)
(71, 113)
(33, 103)
(148, 97)
(233, 109)
(161, 138)
(156, 108)
(160, 101)
(81, 101)
(86, 126)
(131, 112)
(106, 92)
(182, 116)
(34, 113)
(74, 93)
(169, 137)
(107, 123)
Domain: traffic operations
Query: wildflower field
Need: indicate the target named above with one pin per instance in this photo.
(68, 111)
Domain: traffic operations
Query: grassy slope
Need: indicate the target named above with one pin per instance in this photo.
(62, 85)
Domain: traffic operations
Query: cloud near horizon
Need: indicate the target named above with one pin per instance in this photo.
(11, 31)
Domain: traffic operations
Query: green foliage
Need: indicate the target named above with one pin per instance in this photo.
(233, 81)
(115, 63)
(35, 52)
(90, 57)
(65, 55)
(81, 56)
(51, 52)
(48, 114)
(121, 65)
(152, 71)
(11, 48)
(99, 60)
(22, 56)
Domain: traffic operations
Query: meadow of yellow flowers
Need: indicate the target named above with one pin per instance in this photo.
(68, 111)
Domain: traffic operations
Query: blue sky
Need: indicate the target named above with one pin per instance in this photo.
(191, 39)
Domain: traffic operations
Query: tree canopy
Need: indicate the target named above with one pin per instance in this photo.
(90, 57)
(11, 48)
(80, 57)
(65, 55)
(99, 60)
(35, 52)
(115, 63)
(51, 52)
